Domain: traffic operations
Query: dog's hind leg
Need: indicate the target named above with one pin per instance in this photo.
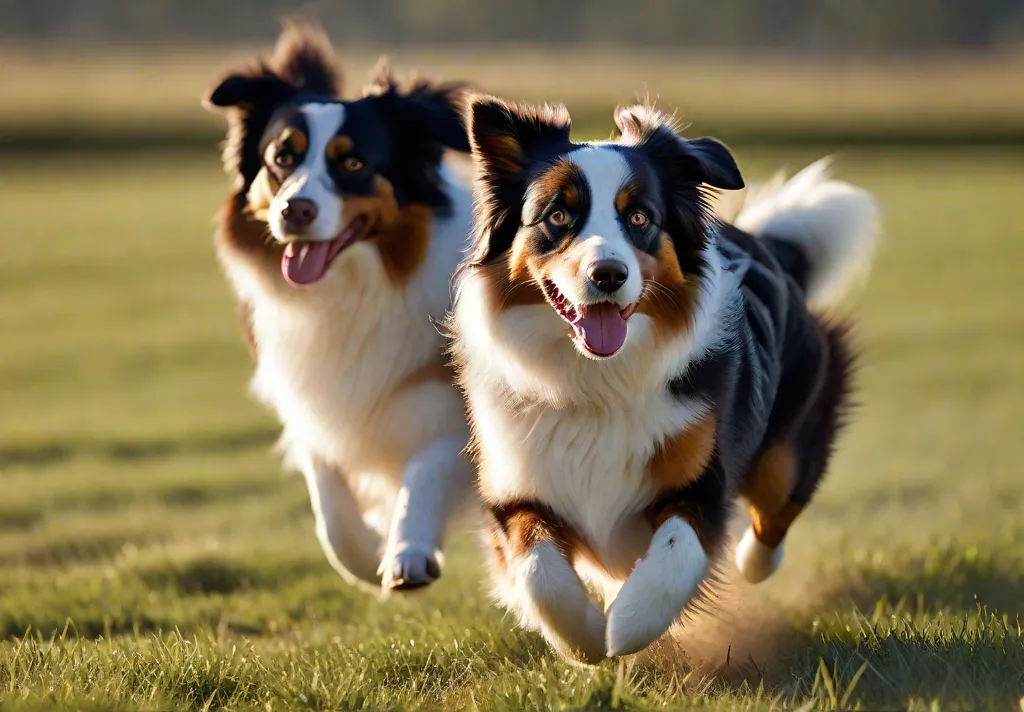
(352, 547)
(786, 476)
(433, 484)
(534, 577)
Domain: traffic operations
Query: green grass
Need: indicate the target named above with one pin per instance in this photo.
(153, 555)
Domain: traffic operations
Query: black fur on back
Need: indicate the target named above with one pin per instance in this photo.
(302, 62)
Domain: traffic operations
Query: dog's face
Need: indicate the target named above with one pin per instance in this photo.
(328, 179)
(604, 233)
(325, 174)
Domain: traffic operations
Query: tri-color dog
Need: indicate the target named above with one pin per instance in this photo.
(632, 365)
(340, 237)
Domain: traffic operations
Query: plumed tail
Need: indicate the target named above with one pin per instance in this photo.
(822, 230)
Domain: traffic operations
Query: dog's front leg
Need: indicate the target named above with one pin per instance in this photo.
(690, 522)
(434, 483)
(534, 576)
(351, 547)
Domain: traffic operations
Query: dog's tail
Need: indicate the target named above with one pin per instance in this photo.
(823, 231)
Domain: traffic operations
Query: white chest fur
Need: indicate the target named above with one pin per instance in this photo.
(588, 464)
(328, 358)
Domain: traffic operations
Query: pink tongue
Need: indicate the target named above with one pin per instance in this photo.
(601, 328)
(305, 262)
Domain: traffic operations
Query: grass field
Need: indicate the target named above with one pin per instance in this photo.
(153, 555)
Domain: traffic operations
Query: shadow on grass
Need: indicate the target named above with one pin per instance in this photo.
(949, 626)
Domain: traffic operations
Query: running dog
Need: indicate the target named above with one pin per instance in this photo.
(632, 365)
(340, 237)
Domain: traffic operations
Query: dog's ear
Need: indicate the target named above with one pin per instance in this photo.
(694, 161)
(302, 61)
(507, 140)
(247, 92)
(688, 170)
(305, 58)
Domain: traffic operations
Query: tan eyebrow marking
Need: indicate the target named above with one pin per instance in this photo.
(622, 199)
(295, 138)
(571, 196)
(338, 147)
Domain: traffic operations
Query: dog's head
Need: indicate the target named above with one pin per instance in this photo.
(324, 173)
(611, 235)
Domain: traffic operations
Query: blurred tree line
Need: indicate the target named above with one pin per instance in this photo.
(803, 26)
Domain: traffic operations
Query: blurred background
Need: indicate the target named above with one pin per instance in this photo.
(125, 73)
(139, 491)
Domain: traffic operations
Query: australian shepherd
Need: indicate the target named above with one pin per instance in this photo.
(632, 365)
(340, 237)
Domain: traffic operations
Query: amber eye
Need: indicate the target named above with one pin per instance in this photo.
(638, 219)
(351, 164)
(558, 218)
(284, 158)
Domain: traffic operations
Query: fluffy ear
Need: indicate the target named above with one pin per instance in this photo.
(305, 58)
(507, 140)
(302, 61)
(699, 160)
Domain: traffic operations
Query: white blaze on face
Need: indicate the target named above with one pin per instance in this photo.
(311, 180)
(600, 328)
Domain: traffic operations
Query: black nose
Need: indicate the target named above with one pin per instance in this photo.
(607, 275)
(299, 213)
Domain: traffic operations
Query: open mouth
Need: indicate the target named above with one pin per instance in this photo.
(306, 261)
(599, 328)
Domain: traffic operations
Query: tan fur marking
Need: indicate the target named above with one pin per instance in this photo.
(495, 550)
(403, 246)
(240, 232)
(502, 153)
(506, 290)
(669, 297)
(679, 460)
(571, 197)
(295, 139)
(622, 199)
(524, 528)
(338, 147)
(767, 489)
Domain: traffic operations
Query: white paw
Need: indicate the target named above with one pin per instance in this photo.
(409, 567)
(755, 560)
(657, 590)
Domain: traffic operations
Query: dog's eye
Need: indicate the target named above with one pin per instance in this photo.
(638, 218)
(558, 218)
(284, 158)
(351, 164)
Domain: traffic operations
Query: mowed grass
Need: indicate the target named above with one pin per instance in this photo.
(153, 554)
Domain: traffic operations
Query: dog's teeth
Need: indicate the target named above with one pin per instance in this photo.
(290, 249)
